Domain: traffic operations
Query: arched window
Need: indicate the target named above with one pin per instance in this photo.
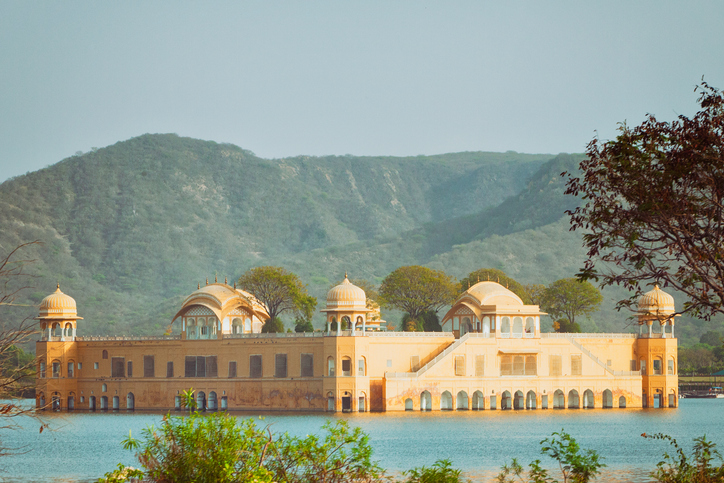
(671, 367)
(247, 325)
(362, 367)
(529, 326)
(425, 401)
(237, 326)
(461, 400)
(346, 366)
(607, 399)
(41, 369)
(573, 402)
(446, 400)
(104, 354)
(56, 368)
(478, 400)
(358, 323)
(642, 366)
(658, 363)
(130, 401)
(57, 331)
(330, 366)
(505, 327)
(465, 327)
(518, 400)
(68, 330)
(486, 325)
(517, 327)
(346, 324)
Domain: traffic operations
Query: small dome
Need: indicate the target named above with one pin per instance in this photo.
(492, 293)
(657, 301)
(58, 306)
(346, 294)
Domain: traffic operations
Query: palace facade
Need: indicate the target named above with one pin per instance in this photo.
(491, 355)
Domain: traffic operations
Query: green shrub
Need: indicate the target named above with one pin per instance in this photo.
(439, 472)
(679, 468)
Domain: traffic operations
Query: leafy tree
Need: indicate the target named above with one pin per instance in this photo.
(495, 275)
(427, 321)
(568, 298)
(535, 292)
(653, 206)
(278, 289)
(415, 289)
(711, 338)
(306, 305)
(698, 467)
(272, 326)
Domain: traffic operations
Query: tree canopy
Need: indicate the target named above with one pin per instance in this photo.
(653, 206)
(415, 289)
(568, 298)
(277, 288)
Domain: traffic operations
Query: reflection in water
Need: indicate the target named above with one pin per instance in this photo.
(86, 445)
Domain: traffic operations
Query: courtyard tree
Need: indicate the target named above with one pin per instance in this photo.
(415, 289)
(427, 321)
(653, 207)
(278, 289)
(568, 298)
(306, 304)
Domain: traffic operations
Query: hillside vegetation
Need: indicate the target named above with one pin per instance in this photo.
(130, 229)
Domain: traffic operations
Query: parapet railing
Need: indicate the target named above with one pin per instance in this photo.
(88, 338)
(409, 334)
(585, 335)
(280, 335)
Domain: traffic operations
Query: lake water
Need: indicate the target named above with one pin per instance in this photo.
(80, 447)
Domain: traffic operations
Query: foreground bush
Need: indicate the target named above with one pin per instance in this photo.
(679, 468)
(221, 448)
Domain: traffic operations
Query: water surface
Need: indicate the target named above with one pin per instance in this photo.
(81, 446)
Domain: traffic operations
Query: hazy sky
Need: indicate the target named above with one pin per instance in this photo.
(392, 77)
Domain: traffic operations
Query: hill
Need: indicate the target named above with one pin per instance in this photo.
(130, 229)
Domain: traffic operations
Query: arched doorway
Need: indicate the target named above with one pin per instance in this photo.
(672, 399)
(478, 401)
(559, 400)
(530, 402)
(446, 401)
(519, 400)
(211, 403)
(461, 400)
(573, 399)
(92, 403)
(408, 404)
(71, 401)
(588, 399)
(658, 399)
(505, 402)
(330, 402)
(201, 401)
(130, 401)
(607, 399)
(55, 402)
(116, 403)
(104, 403)
(622, 402)
(362, 402)
(426, 401)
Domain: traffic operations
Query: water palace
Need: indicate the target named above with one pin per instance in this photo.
(491, 355)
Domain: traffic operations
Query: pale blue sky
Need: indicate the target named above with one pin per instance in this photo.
(393, 78)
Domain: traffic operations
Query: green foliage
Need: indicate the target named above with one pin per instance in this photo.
(302, 325)
(440, 472)
(122, 474)
(427, 321)
(514, 472)
(568, 298)
(652, 208)
(698, 467)
(417, 289)
(306, 306)
(272, 326)
(711, 338)
(566, 327)
(279, 290)
(221, 448)
(577, 465)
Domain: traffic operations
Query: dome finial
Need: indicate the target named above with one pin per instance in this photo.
(57, 285)
(198, 286)
(216, 278)
(207, 280)
(226, 281)
(345, 274)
